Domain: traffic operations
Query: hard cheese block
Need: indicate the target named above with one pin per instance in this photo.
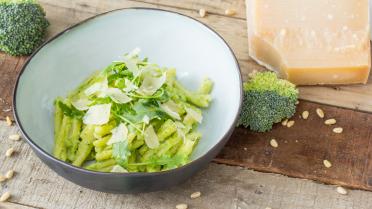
(311, 41)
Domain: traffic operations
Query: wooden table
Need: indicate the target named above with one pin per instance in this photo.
(301, 150)
(223, 187)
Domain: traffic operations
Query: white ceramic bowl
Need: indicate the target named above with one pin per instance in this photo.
(168, 39)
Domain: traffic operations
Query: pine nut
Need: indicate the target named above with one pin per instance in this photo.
(320, 112)
(305, 114)
(341, 190)
(327, 164)
(290, 123)
(274, 143)
(182, 206)
(2, 178)
(253, 73)
(9, 152)
(338, 130)
(195, 195)
(230, 12)
(4, 197)
(14, 137)
(202, 12)
(331, 121)
(284, 122)
(8, 121)
(9, 174)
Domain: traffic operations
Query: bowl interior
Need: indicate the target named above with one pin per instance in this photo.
(167, 38)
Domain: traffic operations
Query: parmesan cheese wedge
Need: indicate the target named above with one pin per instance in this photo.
(151, 139)
(311, 42)
(119, 134)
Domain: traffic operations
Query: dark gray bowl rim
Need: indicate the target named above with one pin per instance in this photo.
(51, 157)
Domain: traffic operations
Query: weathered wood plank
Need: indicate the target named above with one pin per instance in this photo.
(9, 68)
(222, 187)
(303, 147)
(77, 11)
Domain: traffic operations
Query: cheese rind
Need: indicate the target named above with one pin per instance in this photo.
(311, 42)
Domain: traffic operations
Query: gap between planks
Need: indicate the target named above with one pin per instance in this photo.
(195, 5)
(15, 205)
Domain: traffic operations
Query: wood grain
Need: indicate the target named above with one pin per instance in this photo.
(9, 68)
(303, 147)
(222, 187)
(64, 13)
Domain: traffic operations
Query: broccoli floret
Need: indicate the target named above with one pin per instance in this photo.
(22, 26)
(267, 100)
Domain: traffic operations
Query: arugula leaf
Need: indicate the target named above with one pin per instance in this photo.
(121, 152)
(114, 67)
(122, 109)
(147, 108)
(70, 110)
(119, 74)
